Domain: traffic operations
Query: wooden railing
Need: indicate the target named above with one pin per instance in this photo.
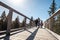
(53, 22)
(9, 17)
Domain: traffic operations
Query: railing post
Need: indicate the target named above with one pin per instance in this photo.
(31, 22)
(9, 22)
(49, 24)
(25, 21)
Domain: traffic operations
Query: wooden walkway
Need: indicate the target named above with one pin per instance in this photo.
(32, 34)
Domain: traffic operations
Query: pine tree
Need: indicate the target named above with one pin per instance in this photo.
(3, 16)
(52, 11)
(1, 24)
(16, 23)
(38, 19)
(4, 21)
(52, 8)
(24, 23)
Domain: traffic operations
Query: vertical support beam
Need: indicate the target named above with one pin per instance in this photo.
(31, 22)
(25, 21)
(49, 23)
(9, 18)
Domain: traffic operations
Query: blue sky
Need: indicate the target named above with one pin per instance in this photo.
(35, 8)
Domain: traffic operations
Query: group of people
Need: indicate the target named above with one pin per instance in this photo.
(39, 23)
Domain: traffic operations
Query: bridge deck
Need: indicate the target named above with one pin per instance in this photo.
(32, 34)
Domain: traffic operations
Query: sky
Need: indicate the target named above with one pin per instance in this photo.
(35, 8)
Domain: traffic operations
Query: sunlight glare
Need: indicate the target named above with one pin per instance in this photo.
(16, 2)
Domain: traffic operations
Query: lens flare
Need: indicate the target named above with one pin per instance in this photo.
(16, 2)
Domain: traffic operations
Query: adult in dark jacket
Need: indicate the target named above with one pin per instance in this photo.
(36, 22)
(41, 23)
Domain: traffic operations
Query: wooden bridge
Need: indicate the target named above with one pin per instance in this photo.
(29, 31)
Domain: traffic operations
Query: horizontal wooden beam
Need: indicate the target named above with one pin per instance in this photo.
(8, 7)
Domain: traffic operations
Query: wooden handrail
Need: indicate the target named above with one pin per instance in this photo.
(8, 7)
(56, 13)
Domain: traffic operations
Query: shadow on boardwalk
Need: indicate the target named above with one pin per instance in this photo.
(18, 31)
(31, 37)
(8, 37)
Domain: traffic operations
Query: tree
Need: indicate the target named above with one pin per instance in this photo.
(5, 24)
(51, 11)
(3, 16)
(52, 8)
(3, 21)
(38, 19)
(16, 23)
(1, 24)
(24, 23)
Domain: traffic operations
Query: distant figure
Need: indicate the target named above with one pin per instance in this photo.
(41, 23)
(36, 22)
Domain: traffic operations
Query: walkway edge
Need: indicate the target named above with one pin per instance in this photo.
(54, 34)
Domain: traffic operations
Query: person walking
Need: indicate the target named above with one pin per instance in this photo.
(36, 22)
(41, 23)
